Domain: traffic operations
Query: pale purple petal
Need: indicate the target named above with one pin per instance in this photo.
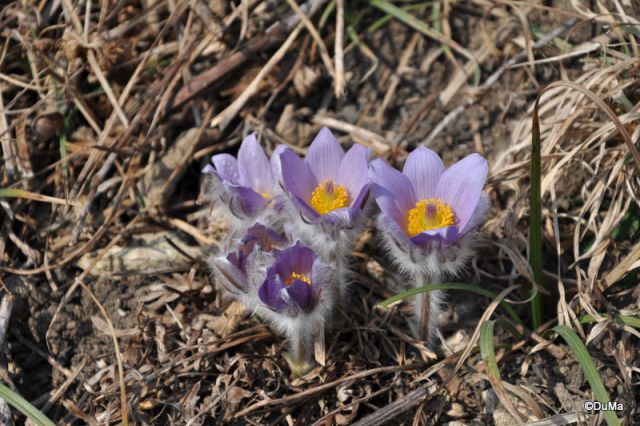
(304, 207)
(254, 166)
(479, 214)
(423, 168)
(296, 176)
(392, 191)
(354, 170)
(276, 166)
(251, 202)
(301, 295)
(390, 225)
(270, 293)
(461, 186)
(226, 167)
(447, 235)
(324, 155)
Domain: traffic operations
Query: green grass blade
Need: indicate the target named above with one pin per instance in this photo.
(488, 353)
(624, 319)
(535, 222)
(450, 286)
(589, 368)
(22, 405)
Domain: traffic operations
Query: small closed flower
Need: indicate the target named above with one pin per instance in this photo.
(428, 217)
(291, 286)
(245, 185)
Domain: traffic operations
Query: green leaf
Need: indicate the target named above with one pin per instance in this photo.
(450, 286)
(22, 405)
(624, 319)
(535, 222)
(589, 368)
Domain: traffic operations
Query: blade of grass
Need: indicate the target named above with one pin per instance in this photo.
(488, 353)
(625, 319)
(22, 405)
(589, 368)
(449, 286)
(535, 221)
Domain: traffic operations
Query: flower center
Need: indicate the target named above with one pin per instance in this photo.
(429, 214)
(296, 276)
(328, 197)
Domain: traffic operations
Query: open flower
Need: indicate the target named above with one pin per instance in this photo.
(428, 215)
(246, 185)
(428, 203)
(328, 185)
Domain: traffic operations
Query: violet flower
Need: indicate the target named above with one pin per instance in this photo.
(290, 287)
(427, 220)
(328, 186)
(246, 185)
(298, 292)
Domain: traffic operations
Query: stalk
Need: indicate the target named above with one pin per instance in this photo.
(424, 308)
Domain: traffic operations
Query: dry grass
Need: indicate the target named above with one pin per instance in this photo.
(109, 109)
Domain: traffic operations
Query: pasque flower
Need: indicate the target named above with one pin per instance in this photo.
(328, 186)
(428, 215)
(246, 185)
(289, 286)
(299, 292)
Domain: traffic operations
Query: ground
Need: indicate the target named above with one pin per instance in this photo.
(107, 119)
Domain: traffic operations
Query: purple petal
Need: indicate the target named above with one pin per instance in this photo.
(270, 293)
(254, 166)
(448, 235)
(354, 170)
(304, 208)
(392, 191)
(264, 237)
(297, 176)
(324, 155)
(461, 185)
(226, 167)
(298, 258)
(390, 225)
(479, 214)
(301, 295)
(423, 168)
(251, 202)
(276, 166)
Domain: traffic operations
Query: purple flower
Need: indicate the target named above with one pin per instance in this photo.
(294, 282)
(248, 181)
(328, 185)
(427, 203)
(254, 250)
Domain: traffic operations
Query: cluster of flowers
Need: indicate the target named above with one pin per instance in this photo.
(294, 222)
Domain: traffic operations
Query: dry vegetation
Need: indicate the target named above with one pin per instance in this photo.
(109, 109)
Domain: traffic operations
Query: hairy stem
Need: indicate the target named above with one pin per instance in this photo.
(425, 308)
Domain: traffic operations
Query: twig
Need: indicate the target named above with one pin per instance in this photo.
(388, 412)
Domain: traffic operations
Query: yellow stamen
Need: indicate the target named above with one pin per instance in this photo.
(328, 197)
(429, 214)
(296, 276)
(265, 195)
